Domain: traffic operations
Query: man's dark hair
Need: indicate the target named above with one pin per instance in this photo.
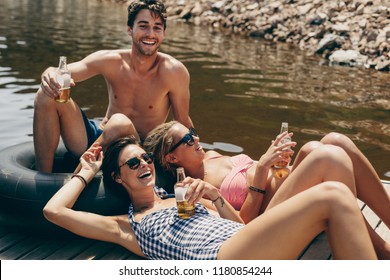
(156, 7)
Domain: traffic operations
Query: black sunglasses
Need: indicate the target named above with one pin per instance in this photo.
(187, 139)
(134, 162)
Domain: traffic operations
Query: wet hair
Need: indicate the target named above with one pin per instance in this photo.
(110, 166)
(156, 7)
(159, 141)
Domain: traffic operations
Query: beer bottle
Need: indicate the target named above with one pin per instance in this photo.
(185, 210)
(63, 78)
(280, 167)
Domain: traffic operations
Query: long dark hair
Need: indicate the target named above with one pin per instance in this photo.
(156, 7)
(110, 166)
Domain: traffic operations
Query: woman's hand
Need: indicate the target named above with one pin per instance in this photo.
(92, 159)
(198, 189)
(278, 151)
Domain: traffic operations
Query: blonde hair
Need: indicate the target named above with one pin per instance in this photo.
(159, 141)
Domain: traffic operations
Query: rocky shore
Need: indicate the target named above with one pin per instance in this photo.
(350, 32)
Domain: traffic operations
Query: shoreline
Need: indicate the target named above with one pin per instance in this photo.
(351, 32)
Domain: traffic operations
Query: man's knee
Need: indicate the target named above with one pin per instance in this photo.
(119, 118)
(41, 99)
(119, 125)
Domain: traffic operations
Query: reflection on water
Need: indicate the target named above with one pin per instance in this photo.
(241, 88)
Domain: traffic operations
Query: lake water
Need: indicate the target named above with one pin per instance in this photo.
(241, 88)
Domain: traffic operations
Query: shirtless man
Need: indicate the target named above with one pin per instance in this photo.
(143, 85)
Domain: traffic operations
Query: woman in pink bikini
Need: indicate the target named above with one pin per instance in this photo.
(152, 228)
(250, 186)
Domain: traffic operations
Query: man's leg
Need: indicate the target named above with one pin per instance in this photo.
(52, 120)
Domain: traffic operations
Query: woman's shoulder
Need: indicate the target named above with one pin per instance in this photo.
(212, 154)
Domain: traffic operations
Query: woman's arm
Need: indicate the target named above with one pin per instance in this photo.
(258, 187)
(250, 209)
(59, 210)
(199, 188)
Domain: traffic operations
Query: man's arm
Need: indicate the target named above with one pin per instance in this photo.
(179, 94)
(86, 68)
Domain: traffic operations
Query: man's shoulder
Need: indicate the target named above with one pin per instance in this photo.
(168, 62)
(117, 54)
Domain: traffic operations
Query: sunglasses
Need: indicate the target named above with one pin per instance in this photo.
(187, 139)
(135, 162)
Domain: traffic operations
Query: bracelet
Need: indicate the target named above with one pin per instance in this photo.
(81, 178)
(222, 201)
(252, 188)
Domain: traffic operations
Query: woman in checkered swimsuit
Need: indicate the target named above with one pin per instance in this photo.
(163, 235)
(153, 230)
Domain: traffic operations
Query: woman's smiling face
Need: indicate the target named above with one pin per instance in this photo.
(141, 170)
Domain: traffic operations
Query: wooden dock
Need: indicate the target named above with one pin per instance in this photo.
(19, 245)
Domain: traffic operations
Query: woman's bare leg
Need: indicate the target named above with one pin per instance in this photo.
(368, 185)
(326, 163)
(285, 230)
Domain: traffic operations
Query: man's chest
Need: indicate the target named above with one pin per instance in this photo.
(138, 93)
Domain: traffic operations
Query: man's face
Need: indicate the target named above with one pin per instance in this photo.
(147, 33)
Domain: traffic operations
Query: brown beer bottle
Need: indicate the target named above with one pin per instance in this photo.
(185, 210)
(63, 78)
(280, 168)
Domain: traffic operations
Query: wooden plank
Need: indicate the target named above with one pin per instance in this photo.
(361, 204)
(135, 257)
(3, 231)
(70, 249)
(318, 249)
(119, 253)
(96, 251)
(44, 250)
(21, 248)
(383, 232)
(106, 251)
(9, 240)
(371, 217)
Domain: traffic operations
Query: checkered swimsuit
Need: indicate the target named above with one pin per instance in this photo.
(163, 235)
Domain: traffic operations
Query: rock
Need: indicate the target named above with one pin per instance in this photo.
(217, 6)
(348, 57)
(197, 10)
(186, 13)
(316, 26)
(340, 28)
(383, 64)
(329, 42)
(252, 7)
(303, 10)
